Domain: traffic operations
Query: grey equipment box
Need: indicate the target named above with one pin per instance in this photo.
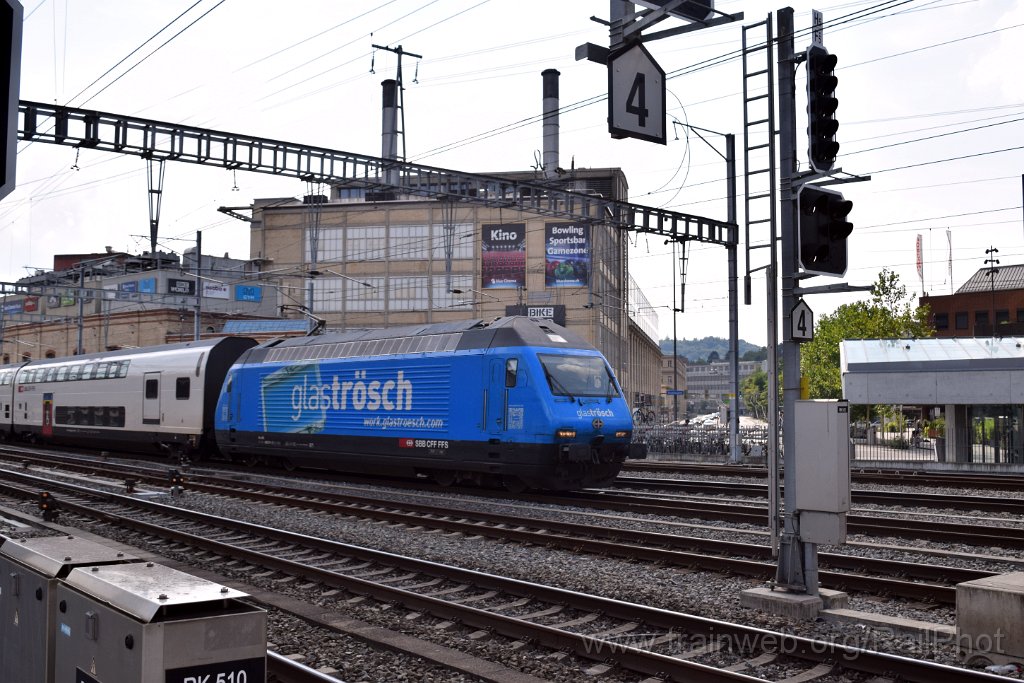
(147, 623)
(822, 459)
(30, 570)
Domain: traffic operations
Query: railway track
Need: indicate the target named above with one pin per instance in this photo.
(911, 580)
(635, 637)
(859, 496)
(994, 482)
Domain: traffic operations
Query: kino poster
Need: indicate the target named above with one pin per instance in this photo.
(503, 257)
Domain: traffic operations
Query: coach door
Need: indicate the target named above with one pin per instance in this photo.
(151, 398)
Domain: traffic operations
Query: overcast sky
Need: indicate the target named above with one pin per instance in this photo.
(931, 107)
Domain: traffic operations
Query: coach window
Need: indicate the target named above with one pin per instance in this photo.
(88, 370)
(62, 373)
(123, 370)
(50, 374)
(101, 370)
(511, 369)
(152, 388)
(181, 389)
(75, 372)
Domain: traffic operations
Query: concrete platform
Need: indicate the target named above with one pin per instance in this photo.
(989, 614)
(923, 630)
(793, 605)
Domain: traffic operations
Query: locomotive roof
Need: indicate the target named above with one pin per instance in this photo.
(436, 337)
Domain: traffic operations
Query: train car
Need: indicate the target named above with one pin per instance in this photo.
(7, 373)
(160, 398)
(515, 402)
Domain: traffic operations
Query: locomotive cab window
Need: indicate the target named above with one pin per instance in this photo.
(511, 370)
(181, 388)
(576, 376)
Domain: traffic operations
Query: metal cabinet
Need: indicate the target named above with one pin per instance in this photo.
(30, 571)
(148, 623)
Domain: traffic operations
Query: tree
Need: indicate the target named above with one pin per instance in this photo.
(754, 391)
(888, 314)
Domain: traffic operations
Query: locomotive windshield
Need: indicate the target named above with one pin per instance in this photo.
(576, 376)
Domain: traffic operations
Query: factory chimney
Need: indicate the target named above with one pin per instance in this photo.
(389, 129)
(550, 108)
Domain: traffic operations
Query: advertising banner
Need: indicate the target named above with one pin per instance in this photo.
(248, 293)
(566, 255)
(503, 257)
(215, 290)
(182, 287)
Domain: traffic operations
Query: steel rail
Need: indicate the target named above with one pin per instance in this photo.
(713, 631)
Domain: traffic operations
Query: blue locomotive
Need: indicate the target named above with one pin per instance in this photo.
(516, 402)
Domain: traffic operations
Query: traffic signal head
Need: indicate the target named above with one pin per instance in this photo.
(48, 506)
(822, 126)
(822, 230)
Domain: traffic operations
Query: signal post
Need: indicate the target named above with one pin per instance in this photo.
(814, 231)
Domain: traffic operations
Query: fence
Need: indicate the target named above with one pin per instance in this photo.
(987, 442)
(983, 440)
(700, 443)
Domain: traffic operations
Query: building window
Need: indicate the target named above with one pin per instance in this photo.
(981, 317)
(408, 294)
(329, 245)
(461, 241)
(359, 298)
(366, 244)
(942, 321)
(328, 294)
(961, 320)
(408, 242)
(1020, 315)
(443, 298)
(1002, 317)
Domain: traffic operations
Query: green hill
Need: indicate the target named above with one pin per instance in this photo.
(698, 350)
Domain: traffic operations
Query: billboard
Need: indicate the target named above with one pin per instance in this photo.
(183, 287)
(503, 257)
(248, 293)
(566, 255)
(215, 290)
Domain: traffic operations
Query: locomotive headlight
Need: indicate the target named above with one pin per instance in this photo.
(621, 434)
(566, 433)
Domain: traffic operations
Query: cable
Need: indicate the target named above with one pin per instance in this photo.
(127, 56)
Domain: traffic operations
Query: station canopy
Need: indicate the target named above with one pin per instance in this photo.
(963, 371)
